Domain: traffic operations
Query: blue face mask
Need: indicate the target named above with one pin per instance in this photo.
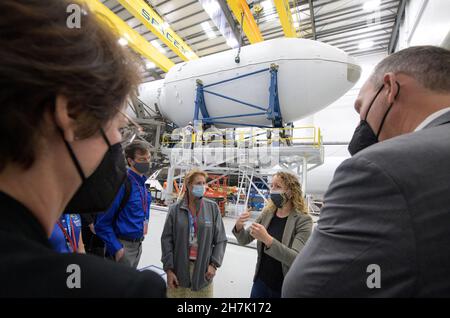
(198, 190)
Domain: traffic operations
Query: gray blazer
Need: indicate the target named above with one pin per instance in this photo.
(212, 241)
(386, 220)
(296, 233)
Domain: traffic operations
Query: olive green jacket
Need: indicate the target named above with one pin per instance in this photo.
(296, 233)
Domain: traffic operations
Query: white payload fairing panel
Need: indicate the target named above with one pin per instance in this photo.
(311, 75)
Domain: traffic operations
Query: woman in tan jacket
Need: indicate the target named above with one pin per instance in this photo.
(282, 229)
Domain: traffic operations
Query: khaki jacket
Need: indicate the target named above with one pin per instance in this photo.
(296, 233)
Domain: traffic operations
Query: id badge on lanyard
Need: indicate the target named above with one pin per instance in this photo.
(193, 225)
(145, 205)
(68, 218)
(69, 233)
(191, 229)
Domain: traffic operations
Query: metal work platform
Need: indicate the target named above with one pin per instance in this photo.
(251, 155)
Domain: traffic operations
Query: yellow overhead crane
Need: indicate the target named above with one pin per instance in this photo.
(137, 42)
(244, 16)
(148, 17)
(286, 21)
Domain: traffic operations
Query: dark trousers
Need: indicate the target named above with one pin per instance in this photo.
(261, 290)
(92, 243)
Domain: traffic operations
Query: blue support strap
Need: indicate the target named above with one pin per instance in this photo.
(200, 104)
(274, 111)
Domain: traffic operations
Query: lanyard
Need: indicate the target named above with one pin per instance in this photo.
(68, 224)
(71, 242)
(143, 196)
(193, 220)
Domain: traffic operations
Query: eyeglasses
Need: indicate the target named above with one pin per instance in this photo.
(131, 130)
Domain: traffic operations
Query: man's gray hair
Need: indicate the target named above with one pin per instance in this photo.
(429, 65)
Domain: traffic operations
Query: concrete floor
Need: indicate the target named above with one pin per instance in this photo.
(233, 279)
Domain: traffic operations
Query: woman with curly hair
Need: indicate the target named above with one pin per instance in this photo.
(282, 229)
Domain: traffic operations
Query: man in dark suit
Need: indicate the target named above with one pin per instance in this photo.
(384, 230)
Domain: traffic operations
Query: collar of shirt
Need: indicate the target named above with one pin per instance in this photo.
(432, 117)
(17, 219)
(139, 178)
(184, 204)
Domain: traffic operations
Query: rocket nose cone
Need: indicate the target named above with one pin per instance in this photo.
(353, 70)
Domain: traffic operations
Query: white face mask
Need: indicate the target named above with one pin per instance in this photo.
(198, 190)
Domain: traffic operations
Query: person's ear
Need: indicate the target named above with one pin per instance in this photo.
(129, 161)
(64, 121)
(288, 194)
(390, 81)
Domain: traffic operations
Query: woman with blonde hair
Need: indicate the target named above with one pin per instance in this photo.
(193, 241)
(281, 231)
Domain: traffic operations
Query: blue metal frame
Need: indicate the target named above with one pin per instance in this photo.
(235, 100)
(273, 112)
(200, 102)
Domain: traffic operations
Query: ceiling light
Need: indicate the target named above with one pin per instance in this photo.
(211, 8)
(232, 42)
(365, 45)
(371, 5)
(189, 54)
(206, 26)
(267, 5)
(219, 21)
(123, 41)
(208, 29)
(211, 35)
(158, 46)
(150, 65)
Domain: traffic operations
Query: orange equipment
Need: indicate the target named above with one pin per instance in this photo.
(218, 190)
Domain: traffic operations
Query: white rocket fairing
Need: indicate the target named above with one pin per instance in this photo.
(311, 75)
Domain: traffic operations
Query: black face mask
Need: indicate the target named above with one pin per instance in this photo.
(142, 167)
(364, 135)
(97, 192)
(279, 199)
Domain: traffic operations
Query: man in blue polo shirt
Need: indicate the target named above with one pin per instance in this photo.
(125, 224)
